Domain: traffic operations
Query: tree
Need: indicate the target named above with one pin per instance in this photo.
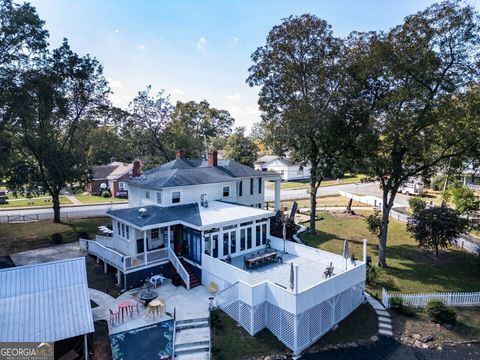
(420, 75)
(52, 107)
(241, 148)
(437, 227)
(303, 96)
(464, 200)
(416, 204)
(103, 142)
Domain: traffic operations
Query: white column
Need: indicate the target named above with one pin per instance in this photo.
(202, 244)
(277, 194)
(169, 240)
(237, 239)
(220, 244)
(145, 246)
(364, 250)
(85, 346)
(295, 268)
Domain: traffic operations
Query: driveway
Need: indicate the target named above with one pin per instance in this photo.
(391, 349)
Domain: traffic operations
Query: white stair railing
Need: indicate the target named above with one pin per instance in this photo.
(179, 267)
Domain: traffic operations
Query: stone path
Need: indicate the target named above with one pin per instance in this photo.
(73, 199)
(384, 320)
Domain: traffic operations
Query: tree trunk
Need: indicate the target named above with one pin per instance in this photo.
(56, 206)
(382, 241)
(313, 206)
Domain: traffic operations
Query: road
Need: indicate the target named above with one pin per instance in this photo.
(64, 209)
(391, 349)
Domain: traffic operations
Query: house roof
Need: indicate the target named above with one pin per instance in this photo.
(181, 172)
(111, 171)
(284, 161)
(266, 158)
(100, 172)
(217, 212)
(45, 302)
(120, 170)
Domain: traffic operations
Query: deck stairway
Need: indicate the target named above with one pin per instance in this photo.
(194, 280)
(192, 339)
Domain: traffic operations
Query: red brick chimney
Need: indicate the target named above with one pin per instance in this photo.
(179, 154)
(136, 168)
(213, 158)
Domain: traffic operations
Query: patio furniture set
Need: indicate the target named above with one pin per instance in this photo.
(124, 308)
(261, 259)
(105, 230)
(328, 272)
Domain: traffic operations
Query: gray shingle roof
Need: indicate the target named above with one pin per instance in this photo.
(183, 172)
(158, 215)
(45, 302)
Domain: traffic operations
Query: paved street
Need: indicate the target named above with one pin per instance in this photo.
(389, 348)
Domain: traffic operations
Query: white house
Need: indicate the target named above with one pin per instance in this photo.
(206, 221)
(287, 169)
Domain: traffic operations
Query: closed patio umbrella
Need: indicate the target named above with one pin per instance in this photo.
(346, 252)
(292, 277)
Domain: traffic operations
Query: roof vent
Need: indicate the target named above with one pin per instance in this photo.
(142, 212)
(204, 200)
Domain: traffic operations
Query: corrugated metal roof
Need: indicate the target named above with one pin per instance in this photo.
(45, 302)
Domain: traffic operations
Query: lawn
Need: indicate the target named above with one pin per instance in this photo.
(304, 184)
(325, 201)
(29, 236)
(411, 269)
(23, 202)
(90, 199)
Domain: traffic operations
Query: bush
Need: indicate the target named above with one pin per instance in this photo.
(397, 306)
(106, 194)
(416, 204)
(276, 225)
(440, 313)
(372, 274)
(57, 238)
(83, 235)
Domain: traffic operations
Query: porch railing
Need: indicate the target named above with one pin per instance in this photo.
(108, 255)
(179, 267)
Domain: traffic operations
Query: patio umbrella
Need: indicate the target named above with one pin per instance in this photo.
(292, 277)
(346, 252)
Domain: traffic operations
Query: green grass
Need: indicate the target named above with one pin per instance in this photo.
(411, 269)
(22, 237)
(304, 184)
(22, 202)
(326, 201)
(90, 199)
(232, 342)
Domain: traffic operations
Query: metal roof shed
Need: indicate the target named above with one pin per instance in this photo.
(45, 302)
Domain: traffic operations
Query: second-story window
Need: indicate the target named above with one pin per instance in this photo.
(240, 188)
(226, 191)
(259, 185)
(251, 186)
(147, 194)
(127, 231)
(159, 197)
(123, 230)
(118, 228)
(176, 197)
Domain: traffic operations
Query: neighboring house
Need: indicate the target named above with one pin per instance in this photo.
(200, 222)
(287, 169)
(114, 175)
(47, 303)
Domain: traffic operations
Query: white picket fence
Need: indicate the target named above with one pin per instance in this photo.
(421, 300)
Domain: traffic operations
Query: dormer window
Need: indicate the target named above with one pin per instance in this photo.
(226, 191)
(147, 194)
(176, 197)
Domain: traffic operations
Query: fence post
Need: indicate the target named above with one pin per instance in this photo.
(385, 298)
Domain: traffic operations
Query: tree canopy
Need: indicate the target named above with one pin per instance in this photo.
(241, 148)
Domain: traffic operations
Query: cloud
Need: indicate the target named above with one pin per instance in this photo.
(114, 84)
(117, 30)
(141, 47)
(177, 92)
(235, 40)
(235, 96)
(201, 43)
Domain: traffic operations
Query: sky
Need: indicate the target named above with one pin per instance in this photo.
(194, 49)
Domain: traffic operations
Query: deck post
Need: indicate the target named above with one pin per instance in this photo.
(105, 267)
(168, 236)
(145, 246)
(85, 346)
(277, 194)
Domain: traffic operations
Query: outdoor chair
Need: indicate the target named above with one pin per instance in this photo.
(133, 307)
(114, 316)
(212, 287)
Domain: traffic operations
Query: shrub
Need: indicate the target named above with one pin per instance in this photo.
(276, 225)
(397, 306)
(83, 235)
(57, 238)
(106, 194)
(416, 204)
(440, 313)
(372, 274)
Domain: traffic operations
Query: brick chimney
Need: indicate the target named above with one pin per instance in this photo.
(213, 158)
(136, 168)
(179, 154)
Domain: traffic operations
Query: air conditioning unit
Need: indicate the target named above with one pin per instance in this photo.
(204, 200)
(142, 212)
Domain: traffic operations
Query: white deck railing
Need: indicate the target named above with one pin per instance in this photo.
(179, 267)
(421, 300)
(108, 255)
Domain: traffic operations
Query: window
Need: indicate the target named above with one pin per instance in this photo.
(242, 239)
(249, 238)
(123, 230)
(127, 232)
(159, 197)
(226, 191)
(154, 233)
(122, 186)
(118, 228)
(258, 236)
(240, 188)
(251, 186)
(147, 194)
(259, 185)
(176, 197)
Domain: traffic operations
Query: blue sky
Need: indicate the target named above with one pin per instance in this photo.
(197, 49)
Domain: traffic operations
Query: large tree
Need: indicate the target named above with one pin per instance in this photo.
(420, 75)
(54, 102)
(303, 97)
(241, 148)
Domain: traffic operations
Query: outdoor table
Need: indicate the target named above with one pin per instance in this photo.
(124, 306)
(155, 307)
(253, 260)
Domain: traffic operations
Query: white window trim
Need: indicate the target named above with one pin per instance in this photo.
(159, 192)
(229, 190)
(147, 194)
(171, 197)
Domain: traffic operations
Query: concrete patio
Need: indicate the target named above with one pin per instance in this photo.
(53, 253)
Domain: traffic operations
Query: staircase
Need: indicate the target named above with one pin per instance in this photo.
(194, 281)
(192, 339)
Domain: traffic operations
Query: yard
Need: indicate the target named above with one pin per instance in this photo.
(304, 184)
(91, 199)
(411, 269)
(24, 202)
(28, 236)
(325, 201)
